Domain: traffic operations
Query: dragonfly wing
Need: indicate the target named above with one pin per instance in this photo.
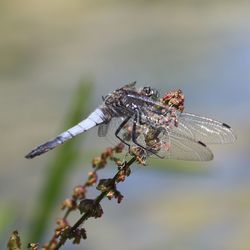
(172, 145)
(103, 129)
(183, 148)
(203, 129)
(109, 130)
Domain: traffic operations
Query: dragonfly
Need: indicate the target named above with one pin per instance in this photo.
(139, 117)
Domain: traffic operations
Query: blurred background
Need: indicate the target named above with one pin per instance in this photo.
(48, 48)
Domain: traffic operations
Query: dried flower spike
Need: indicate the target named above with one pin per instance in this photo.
(91, 208)
(79, 192)
(68, 203)
(14, 242)
(33, 246)
(92, 179)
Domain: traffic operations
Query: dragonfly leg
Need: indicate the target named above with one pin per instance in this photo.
(134, 137)
(119, 129)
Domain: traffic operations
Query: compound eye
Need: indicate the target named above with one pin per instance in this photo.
(147, 91)
(155, 94)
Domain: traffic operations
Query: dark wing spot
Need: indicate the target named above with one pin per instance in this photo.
(225, 125)
(203, 144)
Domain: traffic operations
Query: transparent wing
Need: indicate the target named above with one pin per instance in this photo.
(103, 129)
(203, 129)
(182, 148)
(169, 145)
(108, 130)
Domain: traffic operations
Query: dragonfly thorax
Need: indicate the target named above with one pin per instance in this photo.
(127, 100)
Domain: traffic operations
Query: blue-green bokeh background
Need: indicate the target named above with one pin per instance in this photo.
(202, 47)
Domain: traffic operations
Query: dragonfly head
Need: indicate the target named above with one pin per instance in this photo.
(150, 92)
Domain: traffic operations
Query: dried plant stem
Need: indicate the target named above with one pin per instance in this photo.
(53, 239)
(69, 210)
(97, 200)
